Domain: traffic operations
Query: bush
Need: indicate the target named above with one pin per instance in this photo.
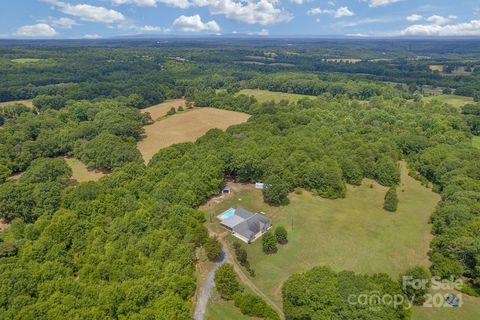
(391, 200)
(213, 249)
(226, 281)
(254, 306)
(269, 243)
(281, 235)
(8, 249)
(5, 172)
(171, 112)
(180, 109)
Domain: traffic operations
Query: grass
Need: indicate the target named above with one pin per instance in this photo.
(160, 110)
(264, 95)
(454, 100)
(27, 103)
(354, 233)
(476, 142)
(186, 126)
(80, 173)
(218, 309)
(27, 60)
(469, 311)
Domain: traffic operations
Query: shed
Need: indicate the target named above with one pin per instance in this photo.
(259, 185)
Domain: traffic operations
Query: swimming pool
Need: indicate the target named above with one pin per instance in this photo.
(227, 214)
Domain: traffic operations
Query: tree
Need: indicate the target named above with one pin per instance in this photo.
(213, 249)
(391, 200)
(43, 102)
(5, 172)
(275, 191)
(269, 243)
(281, 235)
(107, 151)
(415, 283)
(326, 178)
(226, 281)
(47, 170)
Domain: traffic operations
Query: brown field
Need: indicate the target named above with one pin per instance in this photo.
(80, 173)
(187, 126)
(160, 110)
(27, 103)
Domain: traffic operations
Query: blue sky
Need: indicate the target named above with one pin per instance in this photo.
(362, 18)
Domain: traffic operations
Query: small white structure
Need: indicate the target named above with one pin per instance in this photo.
(259, 185)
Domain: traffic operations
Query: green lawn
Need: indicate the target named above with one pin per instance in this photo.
(476, 142)
(352, 234)
(469, 311)
(454, 100)
(264, 95)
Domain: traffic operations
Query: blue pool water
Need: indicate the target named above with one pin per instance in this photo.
(227, 214)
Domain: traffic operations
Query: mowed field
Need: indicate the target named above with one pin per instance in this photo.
(354, 233)
(476, 142)
(265, 95)
(27, 103)
(185, 126)
(80, 173)
(160, 110)
(454, 100)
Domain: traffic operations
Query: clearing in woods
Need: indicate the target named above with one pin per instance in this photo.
(265, 95)
(354, 233)
(185, 126)
(454, 100)
(160, 110)
(80, 173)
(27, 103)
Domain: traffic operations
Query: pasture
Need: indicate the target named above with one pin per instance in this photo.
(470, 310)
(80, 173)
(27, 60)
(184, 127)
(354, 233)
(160, 110)
(454, 100)
(264, 95)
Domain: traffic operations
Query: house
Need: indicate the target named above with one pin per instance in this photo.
(245, 225)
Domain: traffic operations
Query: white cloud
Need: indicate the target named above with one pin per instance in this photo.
(66, 23)
(148, 28)
(263, 32)
(380, 3)
(300, 1)
(471, 28)
(337, 13)
(36, 30)
(151, 3)
(91, 36)
(440, 20)
(88, 12)
(194, 24)
(262, 12)
(414, 17)
(128, 25)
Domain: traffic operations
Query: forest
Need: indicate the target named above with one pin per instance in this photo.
(125, 247)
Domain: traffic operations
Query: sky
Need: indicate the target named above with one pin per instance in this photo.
(91, 19)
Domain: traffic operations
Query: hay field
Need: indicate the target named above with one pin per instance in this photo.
(454, 100)
(160, 110)
(27, 103)
(185, 126)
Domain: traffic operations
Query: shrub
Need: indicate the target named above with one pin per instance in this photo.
(171, 112)
(281, 235)
(391, 200)
(269, 243)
